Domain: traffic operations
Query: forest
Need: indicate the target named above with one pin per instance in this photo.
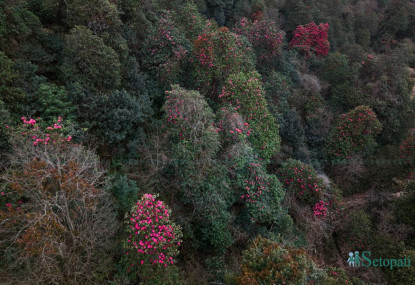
(239, 142)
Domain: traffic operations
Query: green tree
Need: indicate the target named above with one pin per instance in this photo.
(51, 101)
(4, 134)
(264, 36)
(245, 93)
(18, 25)
(201, 177)
(125, 192)
(10, 92)
(397, 19)
(262, 193)
(97, 15)
(337, 69)
(97, 67)
(300, 181)
(189, 20)
(113, 119)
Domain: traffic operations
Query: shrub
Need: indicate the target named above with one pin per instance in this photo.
(268, 262)
(120, 117)
(190, 20)
(353, 133)
(405, 208)
(292, 130)
(402, 275)
(345, 97)
(300, 180)
(206, 192)
(407, 148)
(231, 126)
(356, 230)
(277, 88)
(202, 180)
(337, 69)
(384, 246)
(262, 192)
(109, 119)
(317, 126)
(98, 15)
(337, 276)
(4, 134)
(10, 92)
(125, 192)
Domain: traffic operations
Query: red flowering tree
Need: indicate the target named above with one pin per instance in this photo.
(153, 239)
(354, 132)
(311, 39)
(245, 94)
(264, 36)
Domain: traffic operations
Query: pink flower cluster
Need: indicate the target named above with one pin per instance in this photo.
(153, 238)
(10, 207)
(231, 125)
(204, 51)
(255, 184)
(173, 111)
(35, 133)
(301, 179)
(29, 122)
(320, 209)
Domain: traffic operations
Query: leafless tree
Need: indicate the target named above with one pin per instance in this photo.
(62, 229)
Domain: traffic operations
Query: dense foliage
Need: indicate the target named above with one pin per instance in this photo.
(208, 141)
